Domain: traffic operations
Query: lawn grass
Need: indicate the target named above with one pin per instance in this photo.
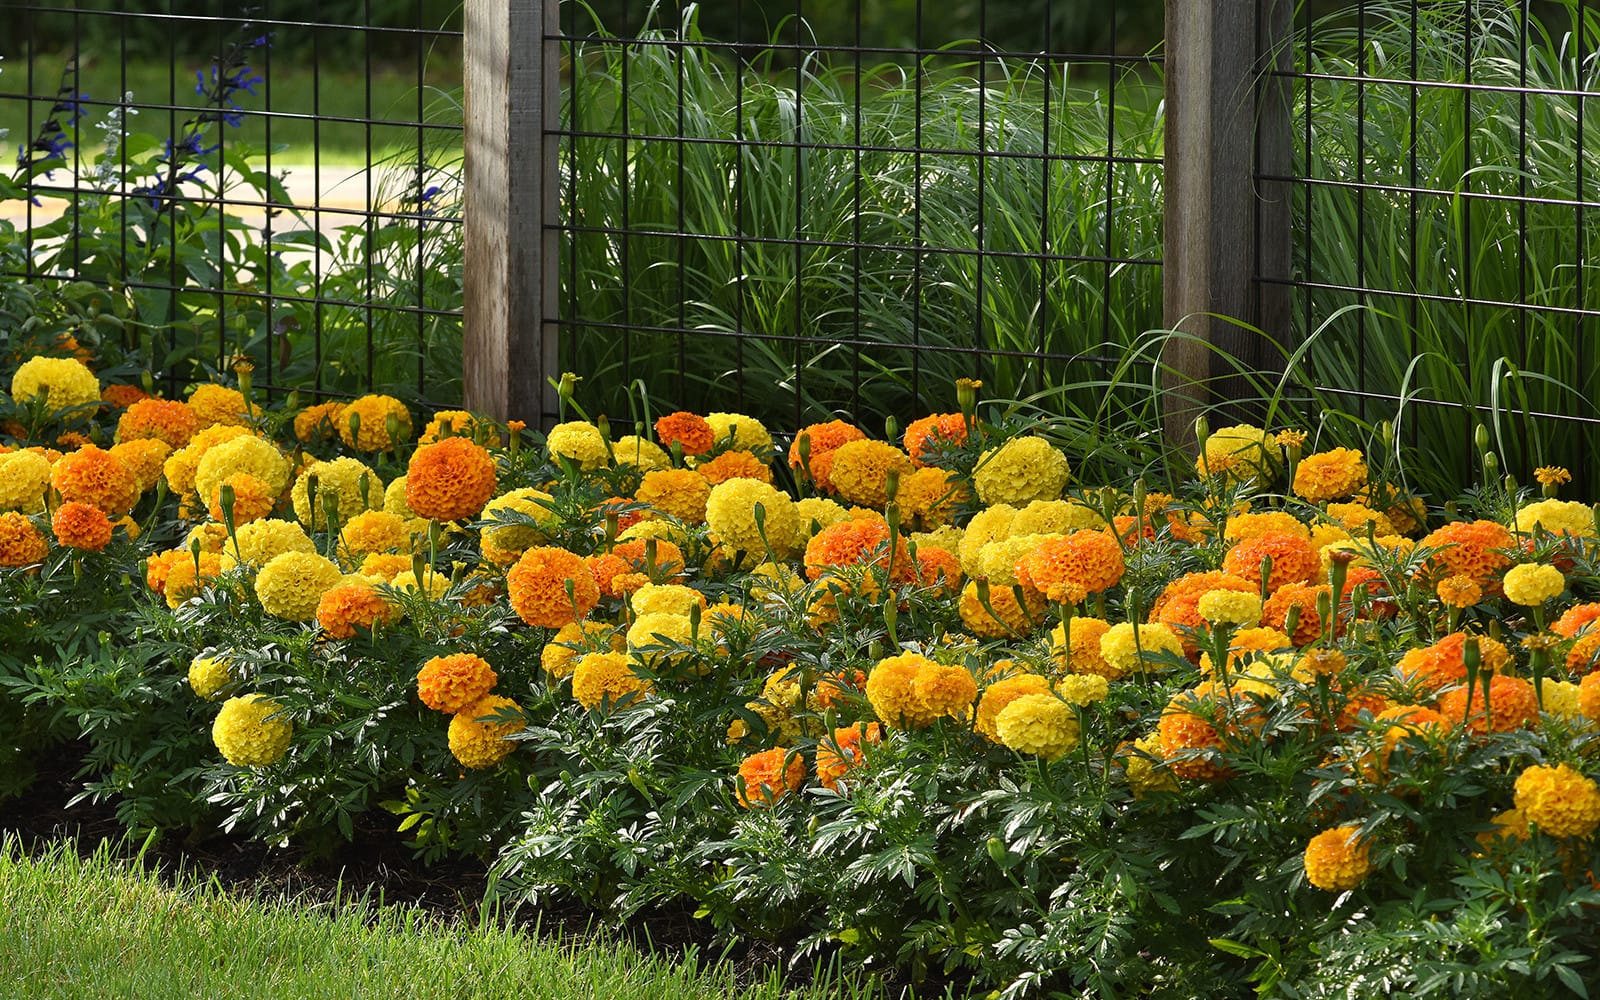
(279, 115)
(83, 928)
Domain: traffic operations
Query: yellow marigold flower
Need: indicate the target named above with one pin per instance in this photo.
(641, 453)
(1141, 767)
(669, 598)
(24, 475)
(730, 516)
(81, 526)
(891, 690)
(342, 478)
(182, 465)
(1510, 826)
(1559, 517)
(1122, 643)
(1239, 452)
(161, 419)
(860, 472)
(432, 583)
(453, 683)
(1355, 517)
(374, 531)
(1001, 693)
(1459, 591)
(65, 382)
(1243, 527)
(602, 678)
(744, 432)
(372, 415)
(217, 404)
(252, 731)
(768, 776)
(450, 480)
(538, 587)
(1084, 656)
(1531, 584)
(1230, 607)
(1290, 438)
(814, 514)
(656, 629)
(92, 476)
(1003, 617)
(1551, 475)
(942, 690)
(580, 442)
(991, 524)
(247, 453)
(1038, 724)
(1082, 689)
(185, 579)
(561, 654)
(1558, 800)
(348, 605)
(319, 422)
(477, 741)
(1055, 517)
(462, 424)
(1330, 475)
(679, 493)
(291, 584)
(1020, 471)
(1561, 698)
(1337, 860)
(210, 676)
(261, 541)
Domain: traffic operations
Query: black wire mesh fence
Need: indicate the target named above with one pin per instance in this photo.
(1444, 193)
(808, 215)
(207, 182)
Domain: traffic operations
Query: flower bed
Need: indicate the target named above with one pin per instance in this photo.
(926, 701)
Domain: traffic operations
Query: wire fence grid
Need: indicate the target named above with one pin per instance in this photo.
(248, 182)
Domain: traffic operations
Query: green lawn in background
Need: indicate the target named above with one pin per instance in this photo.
(293, 92)
(79, 929)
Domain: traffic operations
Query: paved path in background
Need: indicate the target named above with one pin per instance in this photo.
(337, 190)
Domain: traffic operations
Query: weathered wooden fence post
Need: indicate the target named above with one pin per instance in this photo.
(1227, 234)
(511, 185)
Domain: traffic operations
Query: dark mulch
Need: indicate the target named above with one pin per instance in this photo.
(374, 865)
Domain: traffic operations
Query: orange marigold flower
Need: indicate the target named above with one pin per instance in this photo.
(1337, 859)
(938, 567)
(857, 543)
(21, 543)
(943, 690)
(691, 432)
(934, 430)
(162, 419)
(1178, 605)
(833, 689)
(449, 480)
(891, 690)
(1444, 662)
(251, 499)
(1470, 549)
(319, 422)
(1189, 741)
(1330, 475)
(734, 465)
(158, 566)
(120, 397)
(81, 526)
(348, 605)
(1551, 475)
(455, 682)
(606, 568)
(1589, 696)
(90, 475)
(538, 587)
(636, 552)
(823, 439)
(678, 493)
(1512, 704)
(1242, 527)
(144, 458)
(628, 513)
(1459, 591)
(837, 758)
(768, 776)
(1067, 570)
(186, 580)
(1293, 559)
(1303, 598)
